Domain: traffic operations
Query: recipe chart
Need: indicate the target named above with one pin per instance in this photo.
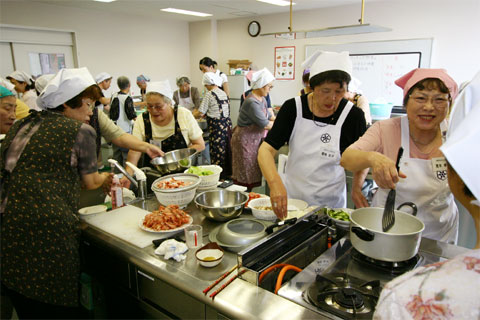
(284, 63)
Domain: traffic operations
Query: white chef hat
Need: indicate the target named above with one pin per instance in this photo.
(326, 61)
(211, 79)
(42, 81)
(21, 76)
(307, 64)
(102, 76)
(261, 78)
(65, 85)
(162, 87)
(461, 148)
(7, 84)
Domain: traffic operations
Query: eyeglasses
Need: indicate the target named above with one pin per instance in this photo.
(438, 102)
(157, 107)
(90, 105)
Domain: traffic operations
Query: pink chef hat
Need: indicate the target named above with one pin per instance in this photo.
(410, 79)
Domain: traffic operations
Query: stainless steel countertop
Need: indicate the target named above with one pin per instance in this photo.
(240, 300)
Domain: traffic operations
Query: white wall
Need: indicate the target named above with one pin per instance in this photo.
(454, 26)
(116, 43)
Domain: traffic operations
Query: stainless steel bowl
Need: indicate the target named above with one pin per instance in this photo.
(238, 234)
(221, 205)
(175, 161)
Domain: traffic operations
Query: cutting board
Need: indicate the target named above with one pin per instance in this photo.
(123, 223)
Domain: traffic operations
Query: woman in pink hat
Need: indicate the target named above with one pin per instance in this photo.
(422, 178)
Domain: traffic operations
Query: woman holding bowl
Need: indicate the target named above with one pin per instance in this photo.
(428, 94)
(163, 125)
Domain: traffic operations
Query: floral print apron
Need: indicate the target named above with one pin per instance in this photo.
(40, 232)
(219, 139)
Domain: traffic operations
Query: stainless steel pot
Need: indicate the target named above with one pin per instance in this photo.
(400, 243)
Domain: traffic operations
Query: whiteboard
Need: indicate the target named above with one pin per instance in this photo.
(378, 64)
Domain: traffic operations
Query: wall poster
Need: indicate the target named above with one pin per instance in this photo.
(46, 63)
(284, 63)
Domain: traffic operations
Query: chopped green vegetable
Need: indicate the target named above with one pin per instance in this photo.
(199, 171)
(338, 214)
(184, 162)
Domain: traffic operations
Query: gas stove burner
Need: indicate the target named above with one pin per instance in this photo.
(398, 267)
(349, 298)
(345, 296)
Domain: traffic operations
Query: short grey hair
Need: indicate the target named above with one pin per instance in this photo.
(123, 82)
(167, 100)
(182, 80)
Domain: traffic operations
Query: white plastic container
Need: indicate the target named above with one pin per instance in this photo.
(210, 181)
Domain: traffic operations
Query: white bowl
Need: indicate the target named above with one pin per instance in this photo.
(179, 196)
(292, 205)
(210, 181)
(262, 214)
(212, 251)
(341, 223)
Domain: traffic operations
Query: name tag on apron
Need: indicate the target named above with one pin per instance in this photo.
(328, 153)
(157, 143)
(439, 167)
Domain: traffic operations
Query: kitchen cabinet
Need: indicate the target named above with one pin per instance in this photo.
(168, 299)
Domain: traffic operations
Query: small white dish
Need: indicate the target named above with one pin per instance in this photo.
(210, 255)
(92, 210)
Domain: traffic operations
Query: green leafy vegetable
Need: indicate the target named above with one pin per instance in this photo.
(199, 171)
(338, 214)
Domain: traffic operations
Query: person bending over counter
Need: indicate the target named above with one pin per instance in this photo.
(428, 94)
(318, 127)
(208, 65)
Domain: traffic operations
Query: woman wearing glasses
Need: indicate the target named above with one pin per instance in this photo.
(254, 121)
(428, 94)
(45, 158)
(317, 128)
(163, 125)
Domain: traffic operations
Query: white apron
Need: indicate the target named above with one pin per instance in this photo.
(186, 102)
(313, 172)
(426, 185)
(122, 121)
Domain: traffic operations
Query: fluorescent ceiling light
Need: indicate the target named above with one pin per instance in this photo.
(344, 30)
(104, 0)
(277, 2)
(191, 13)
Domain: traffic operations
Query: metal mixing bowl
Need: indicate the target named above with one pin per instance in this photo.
(221, 205)
(241, 232)
(175, 161)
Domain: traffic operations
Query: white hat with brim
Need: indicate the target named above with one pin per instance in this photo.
(65, 85)
(21, 76)
(7, 84)
(161, 87)
(102, 77)
(261, 78)
(329, 61)
(42, 81)
(461, 148)
(211, 79)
